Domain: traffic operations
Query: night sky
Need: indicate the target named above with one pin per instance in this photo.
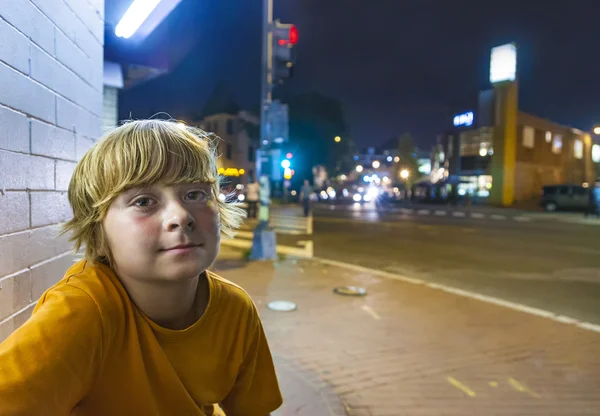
(396, 65)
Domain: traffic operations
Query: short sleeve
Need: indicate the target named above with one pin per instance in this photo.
(48, 365)
(256, 390)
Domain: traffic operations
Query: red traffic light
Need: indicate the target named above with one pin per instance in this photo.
(289, 155)
(293, 35)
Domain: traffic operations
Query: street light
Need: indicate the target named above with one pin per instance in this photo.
(404, 174)
(376, 164)
(359, 168)
(397, 159)
(597, 130)
(337, 139)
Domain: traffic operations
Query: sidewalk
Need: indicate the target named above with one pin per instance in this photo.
(408, 349)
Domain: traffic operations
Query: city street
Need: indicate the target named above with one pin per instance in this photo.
(535, 260)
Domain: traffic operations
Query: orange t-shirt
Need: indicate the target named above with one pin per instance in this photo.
(87, 350)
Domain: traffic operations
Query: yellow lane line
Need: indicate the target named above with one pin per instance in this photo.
(523, 389)
(461, 386)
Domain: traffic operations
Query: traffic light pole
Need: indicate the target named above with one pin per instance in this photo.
(264, 246)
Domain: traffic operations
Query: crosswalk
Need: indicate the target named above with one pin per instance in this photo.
(460, 214)
(295, 231)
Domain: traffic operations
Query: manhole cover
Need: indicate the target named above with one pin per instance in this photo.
(282, 306)
(350, 291)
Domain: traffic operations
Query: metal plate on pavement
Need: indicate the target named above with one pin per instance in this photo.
(350, 291)
(282, 306)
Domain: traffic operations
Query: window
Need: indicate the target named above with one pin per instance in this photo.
(596, 153)
(251, 154)
(230, 126)
(550, 190)
(578, 149)
(564, 190)
(557, 144)
(548, 136)
(528, 137)
(580, 190)
(229, 151)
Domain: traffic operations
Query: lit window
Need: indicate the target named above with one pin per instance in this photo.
(548, 136)
(528, 137)
(578, 149)
(596, 153)
(557, 144)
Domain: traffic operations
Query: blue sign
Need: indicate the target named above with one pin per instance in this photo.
(464, 120)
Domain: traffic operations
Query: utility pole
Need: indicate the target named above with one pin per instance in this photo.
(286, 36)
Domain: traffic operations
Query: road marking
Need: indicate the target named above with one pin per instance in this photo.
(522, 219)
(468, 294)
(441, 213)
(306, 252)
(493, 384)
(423, 212)
(498, 217)
(461, 386)
(477, 215)
(406, 211)
(459, 214)
(523, 389)
(371, 312)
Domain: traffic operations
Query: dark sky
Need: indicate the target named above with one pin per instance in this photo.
(396, 65)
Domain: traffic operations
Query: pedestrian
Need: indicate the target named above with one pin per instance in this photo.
(140, 326)
(592, 208)
(305, 194)
(252, 196)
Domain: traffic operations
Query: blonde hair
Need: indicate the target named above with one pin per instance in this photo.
(140, 153)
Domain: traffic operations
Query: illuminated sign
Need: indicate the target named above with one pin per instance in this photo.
(231, 172)
(503, 63)
(464, 120)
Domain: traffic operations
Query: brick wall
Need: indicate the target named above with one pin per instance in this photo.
(51, 54)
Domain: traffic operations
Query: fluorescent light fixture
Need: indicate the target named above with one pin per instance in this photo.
(503, 64)
(134, 17)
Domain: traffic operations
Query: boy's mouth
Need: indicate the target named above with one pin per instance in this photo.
(182, 247)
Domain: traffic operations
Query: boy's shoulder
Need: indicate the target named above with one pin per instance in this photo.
(231, 292)
(91, 283)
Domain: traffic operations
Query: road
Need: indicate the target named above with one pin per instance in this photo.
(531, 260)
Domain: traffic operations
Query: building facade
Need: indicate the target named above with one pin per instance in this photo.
(545, 153)
(237, 145)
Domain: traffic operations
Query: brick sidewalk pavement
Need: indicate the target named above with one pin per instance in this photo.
(411, 350)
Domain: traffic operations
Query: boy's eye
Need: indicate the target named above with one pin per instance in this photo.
(198, 196)
(143, 202)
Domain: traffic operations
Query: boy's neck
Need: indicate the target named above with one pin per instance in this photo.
(171, 305)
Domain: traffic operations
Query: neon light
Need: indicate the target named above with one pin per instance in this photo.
(465, 119)
(133, 18)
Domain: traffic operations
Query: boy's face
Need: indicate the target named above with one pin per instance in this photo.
(163, 233)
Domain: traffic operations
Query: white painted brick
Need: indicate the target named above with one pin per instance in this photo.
(15, 293)
(98, 6)
(28, 19)
(48, 274)
(73, 58)
(14, 48)
(50, 72)
(48, 140)
(87, 42)
(64, 171)
(26, 95)
(23, 249)
(14, 212)
(59, 13)
(74, 117)
(23, 316)
(19, 171)
(82, 145)
(6, 328)
(14, 130)
(89, 16)
(49, 208)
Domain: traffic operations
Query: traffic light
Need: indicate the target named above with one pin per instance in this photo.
(285, 37)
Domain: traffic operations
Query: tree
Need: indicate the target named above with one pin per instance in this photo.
(408, 159)
(315, 120)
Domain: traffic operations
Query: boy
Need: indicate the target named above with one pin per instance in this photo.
(140, 327)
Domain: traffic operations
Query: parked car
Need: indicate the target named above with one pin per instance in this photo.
(567, 197)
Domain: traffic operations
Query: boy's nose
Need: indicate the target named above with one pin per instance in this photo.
(178, 217)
